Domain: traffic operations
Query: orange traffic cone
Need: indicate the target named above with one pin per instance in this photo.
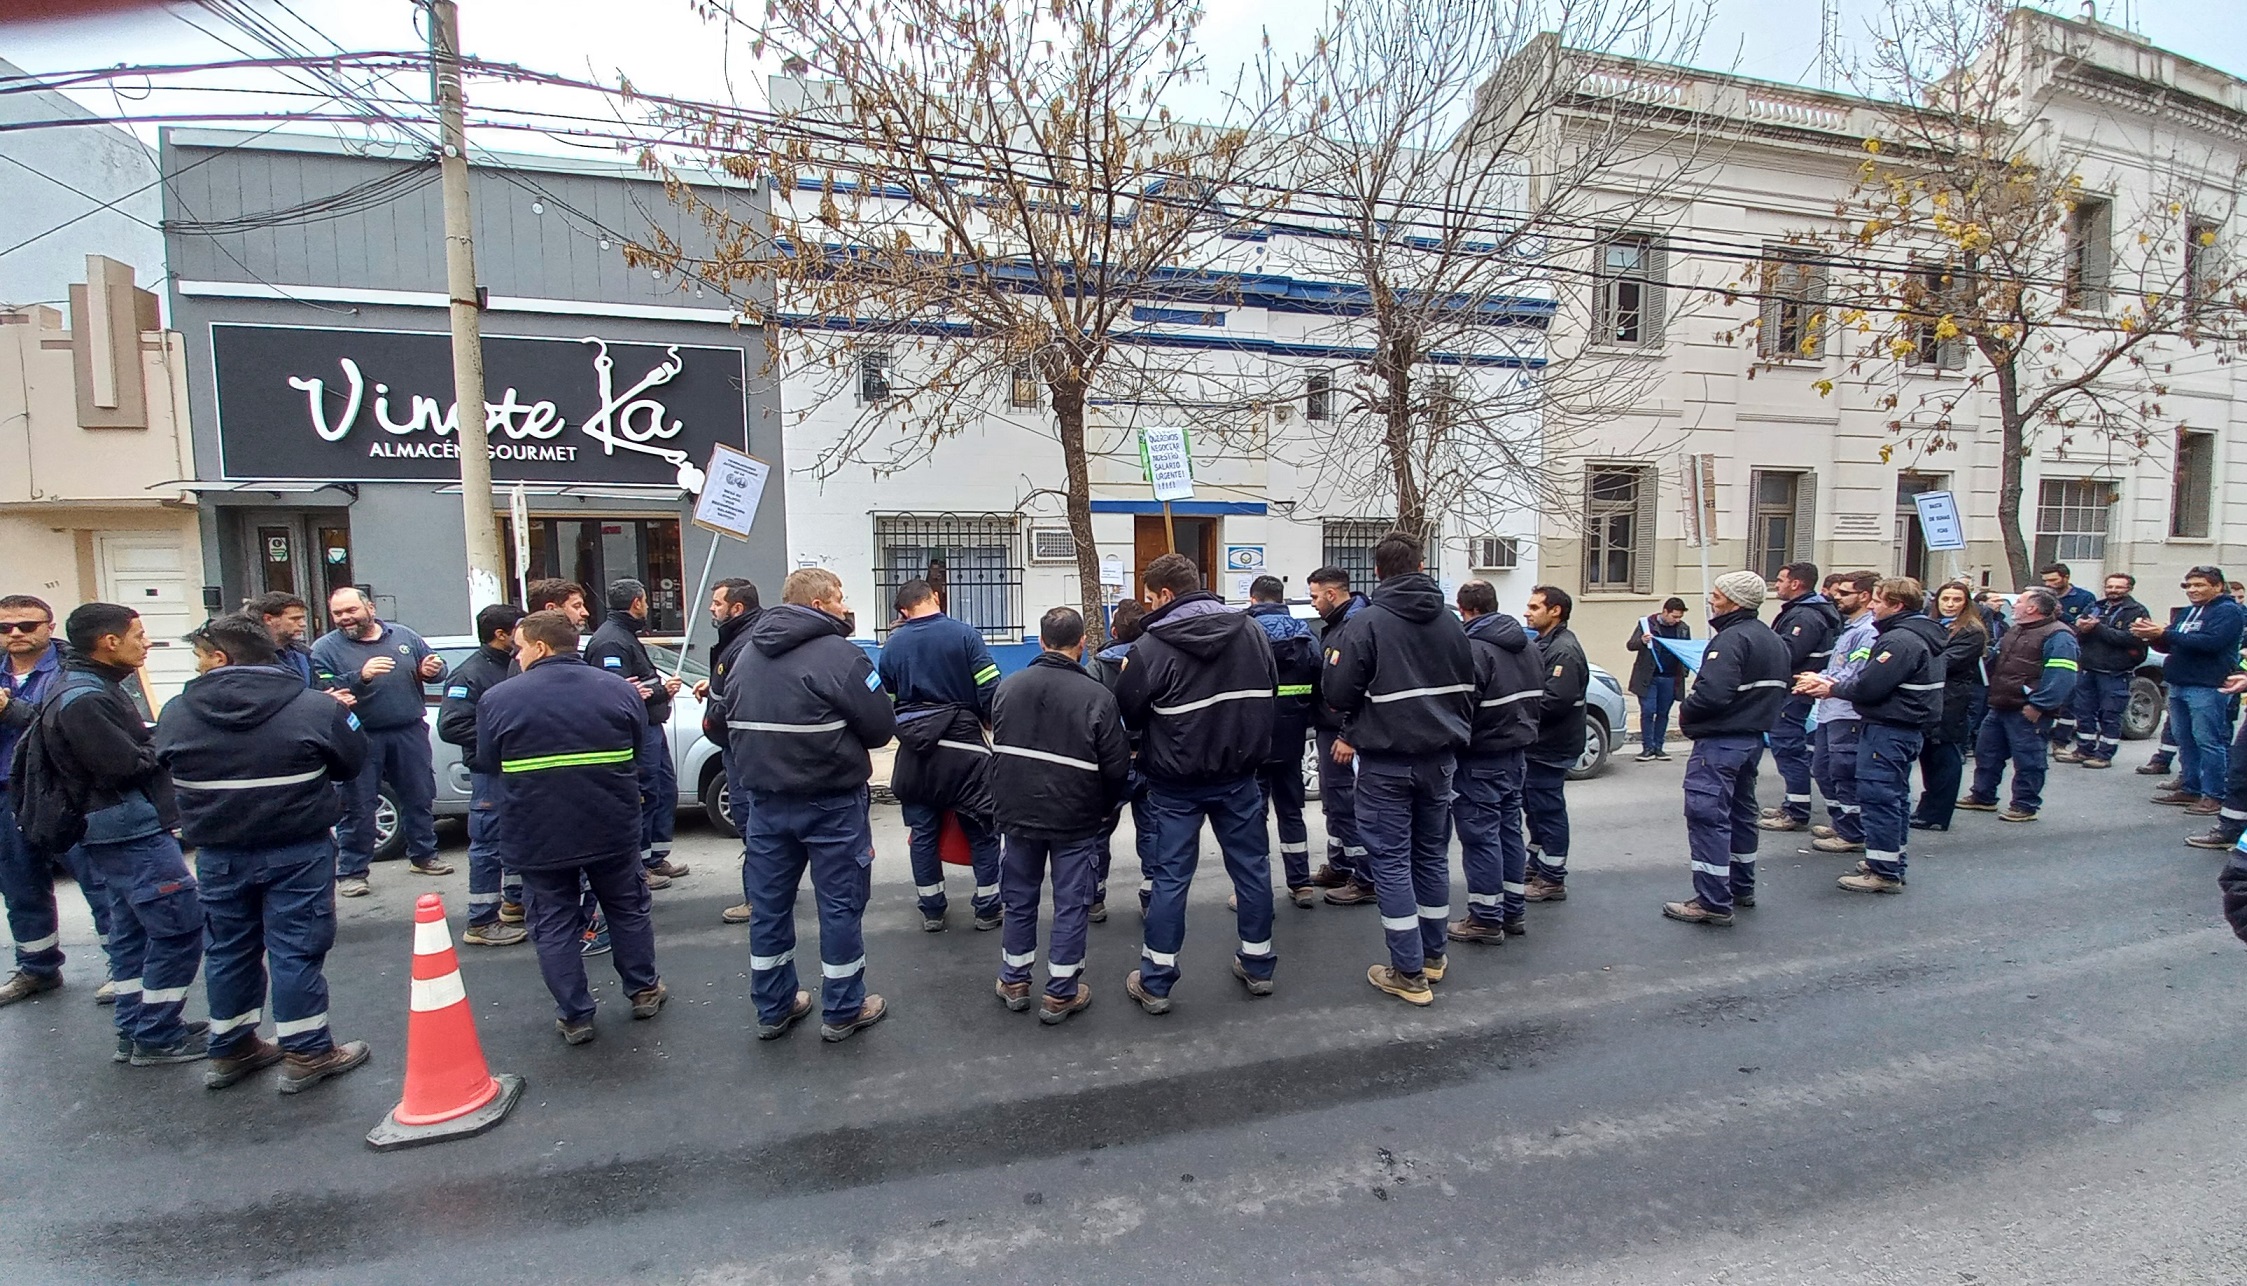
(450, 1091)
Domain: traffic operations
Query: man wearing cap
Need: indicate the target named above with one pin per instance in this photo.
(1732, 705)
(616, 648)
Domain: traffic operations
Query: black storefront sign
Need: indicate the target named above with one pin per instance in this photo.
(333, 405)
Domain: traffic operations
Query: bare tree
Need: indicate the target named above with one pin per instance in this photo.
(1475, 169)
(1977, 228)
(976, 194)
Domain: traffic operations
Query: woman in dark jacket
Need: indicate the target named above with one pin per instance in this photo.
(1942, 760)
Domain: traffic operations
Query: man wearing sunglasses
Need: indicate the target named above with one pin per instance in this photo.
(27, 876)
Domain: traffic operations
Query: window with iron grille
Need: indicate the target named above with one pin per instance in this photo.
(1318, 398)
(974, 561)
(1022, 389)
(1348, 543)
(2071, 520)
(1619, 527)
(873, 375)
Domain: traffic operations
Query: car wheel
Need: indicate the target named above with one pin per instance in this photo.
(1594, 757)
(717, 804)
(2142, 717)
(389, 836)
(1311, 769)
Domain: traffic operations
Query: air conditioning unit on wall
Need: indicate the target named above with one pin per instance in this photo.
(1052, 545)
(1496, 553)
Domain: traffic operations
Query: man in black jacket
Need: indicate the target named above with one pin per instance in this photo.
(105, 754)
(1061, 765)
(940, 673)
(1337, 604)
(1509, 684)
(1559, 743)
(1807, 623)
(1743, 680)
(1199, 684)
(616, 648)
(733, 609)
(493, 886)
(565, 736)
(1656, 676)
(2110, 654)
(1403, 677)
(254, 759)
(1296, 655)
(1898, 693)
(802, 708)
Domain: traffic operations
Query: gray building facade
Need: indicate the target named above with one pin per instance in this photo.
(308, 278)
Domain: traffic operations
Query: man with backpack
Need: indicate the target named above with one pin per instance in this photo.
(29, 675)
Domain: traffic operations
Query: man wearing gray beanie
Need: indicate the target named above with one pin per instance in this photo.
(1742, 682)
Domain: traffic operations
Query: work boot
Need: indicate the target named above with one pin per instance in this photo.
(106, 994)
(495, 934)
(1540, 889)
(1432, 967)
(986, 923)
(1014, 995)
(1775, 810)
(2178, 798)
(2152, 768)
(1922, 824)
(1870, 882)
(1973, 805)
(1303, 895)
(1865, 868)
(737, 914)
(352, 886)
(796, 1012)
(1473, 930)
(1694, 911)
(2204, 807)
(1326, 877)
(2217, 837)
(1836, 844)
(23, 985)
(1256, 986)
(2014, 814)
(2173, 784)
(432, 868)
(656, 879)
(1148, 1000)
(1782, 822)
(1743, 901)
(2067, 755)
(1411, 988)
(873, 1011)
(932, 921)
(1097, 912)
(2096, 761)
(301, 1072)
(1517, 926)
(511, 913)
(235, 1068)
(1821, 832)
(669, 869)
(578, 1033)
(194, 1049)
(1352, 894)
(648, 1003)
(1055, 1010)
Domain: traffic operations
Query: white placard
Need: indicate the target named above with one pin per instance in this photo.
(734, 483)
(1112, 571)
(1169, 466)
(519, 512)
(1939, 522)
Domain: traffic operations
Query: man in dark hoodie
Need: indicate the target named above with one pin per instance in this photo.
(733, 609)
(1199, 684)
(802, 708)
(1403, 677)
(1807, 623)
(493, 886)
(1336, 604)
(103, 752)
(941, 675)
(1898, 692)
(1486, 812)
(1559, 743)
(1060, 768)
(1744, 676)
(254, 758)
(616, 648)
(1296, 654)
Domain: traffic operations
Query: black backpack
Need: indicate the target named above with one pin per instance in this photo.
(50, 814)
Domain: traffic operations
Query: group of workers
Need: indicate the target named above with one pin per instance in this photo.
(1430, 718)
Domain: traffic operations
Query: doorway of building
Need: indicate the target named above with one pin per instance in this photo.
(1913, 558)
(594, 551)
(1197, 539)
(305, 553)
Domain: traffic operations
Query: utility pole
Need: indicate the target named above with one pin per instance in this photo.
(484, 565)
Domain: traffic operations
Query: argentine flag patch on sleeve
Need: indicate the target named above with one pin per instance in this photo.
(457, 690)
(612, 662)
(873, 681)
(353, 720)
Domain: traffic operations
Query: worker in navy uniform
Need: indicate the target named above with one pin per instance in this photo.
(1199, 685)
(1743, 679)
(2033, 675)
(616, 648)
(1898, 693)
(382, 665)
(493, 885)
(733, 609)
(1509, 686)
(254, 758)
(1807, 623)
(1341, 875)
(802, 708)
(1403, 677)
(1060, 767)
(565, 737)
(941, 676)
(2111, 655)
(1126, 623)
(2074, 603)
(1559, 744)
(1296, 653)
(106, 755)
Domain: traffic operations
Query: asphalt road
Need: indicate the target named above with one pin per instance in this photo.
(2028, 1068)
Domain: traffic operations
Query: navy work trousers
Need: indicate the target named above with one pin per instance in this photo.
(155, 934)
(1833, 762)
(1282, 784)
(1022, 876)
(1486, 811)
(829, 835)
(1720, 817)
(1654, 712)
(1235, 812)
(1338, 804)
(555, 913)
(1790, 754)
(1941, 768)
(2100, 699)
(489, 881)
(263, 904)
(1544, 806)
(1885, 754)
(1404, 817)
(659, 795)
(2007, 734)
(1142, 842)
(399, 756)
(925, 846)
(27, 885)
